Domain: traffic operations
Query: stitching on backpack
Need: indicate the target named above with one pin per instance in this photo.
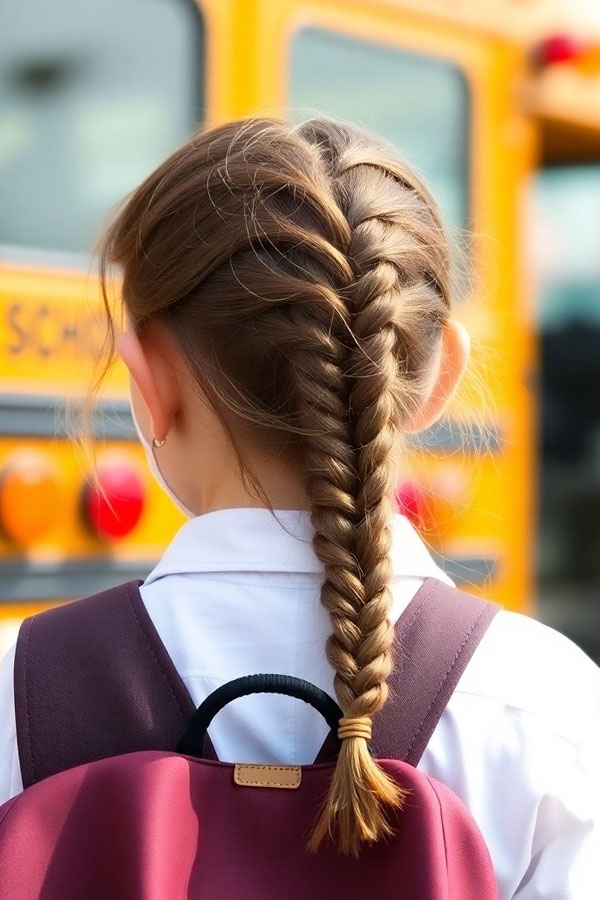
(402, 635)
(441, 684)
(156, 660)
(29, 741)
(409, 626)
(419, 610)
(274, 783)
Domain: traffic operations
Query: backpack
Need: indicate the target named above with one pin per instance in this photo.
(125, 799)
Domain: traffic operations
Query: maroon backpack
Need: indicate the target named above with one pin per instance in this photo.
(125, 799)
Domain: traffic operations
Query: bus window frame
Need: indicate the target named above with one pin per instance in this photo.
(394, 30)
(407, 49)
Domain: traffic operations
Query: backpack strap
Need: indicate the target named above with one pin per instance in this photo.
(93, 679)
(432, 649)
(435, 638)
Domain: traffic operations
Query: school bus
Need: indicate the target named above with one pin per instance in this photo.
(480, 97)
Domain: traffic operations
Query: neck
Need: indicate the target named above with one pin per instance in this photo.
(281, 485)
(204, 467)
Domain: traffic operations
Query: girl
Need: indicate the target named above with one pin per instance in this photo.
(287, 302)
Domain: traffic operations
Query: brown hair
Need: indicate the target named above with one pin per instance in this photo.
(303, 271)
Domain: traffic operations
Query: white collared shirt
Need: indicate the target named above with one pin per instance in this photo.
(237, 592)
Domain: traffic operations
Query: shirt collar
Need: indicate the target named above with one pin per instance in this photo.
(253, 540)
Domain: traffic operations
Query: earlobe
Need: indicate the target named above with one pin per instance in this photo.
(147, 380)
(454, 356)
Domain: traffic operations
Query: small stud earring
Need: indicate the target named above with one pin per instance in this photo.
(156, 442)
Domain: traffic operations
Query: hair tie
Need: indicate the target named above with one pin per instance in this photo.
(360, 726)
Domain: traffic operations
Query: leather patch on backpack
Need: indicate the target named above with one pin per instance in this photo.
(254, 775)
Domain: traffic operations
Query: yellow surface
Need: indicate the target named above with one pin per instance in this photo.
(51, 326)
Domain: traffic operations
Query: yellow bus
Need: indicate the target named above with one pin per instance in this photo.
(480, 97)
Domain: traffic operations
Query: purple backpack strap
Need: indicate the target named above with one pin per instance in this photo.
(93, 679)
(434, 644)
(435, 638)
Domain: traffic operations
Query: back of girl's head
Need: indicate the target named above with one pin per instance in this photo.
(303, 271)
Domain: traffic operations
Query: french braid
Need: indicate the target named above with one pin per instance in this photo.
(390, 249)
(304, 273)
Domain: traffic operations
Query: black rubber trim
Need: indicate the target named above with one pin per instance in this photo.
(192, 742)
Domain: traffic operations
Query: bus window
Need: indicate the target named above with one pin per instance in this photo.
(419, 103)
(566, 242)
(92, 97)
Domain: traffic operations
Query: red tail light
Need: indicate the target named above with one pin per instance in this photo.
(559, 48)
(114, 506)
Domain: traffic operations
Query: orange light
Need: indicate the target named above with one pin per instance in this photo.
(29, 496)
(433, 501)
(589, 61)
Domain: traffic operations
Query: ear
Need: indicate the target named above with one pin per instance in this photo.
(453, 358)
(154, 377)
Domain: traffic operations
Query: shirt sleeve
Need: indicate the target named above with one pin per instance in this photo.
(565, 853)
(10, 769)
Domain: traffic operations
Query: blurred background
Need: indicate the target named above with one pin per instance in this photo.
(496, 104)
